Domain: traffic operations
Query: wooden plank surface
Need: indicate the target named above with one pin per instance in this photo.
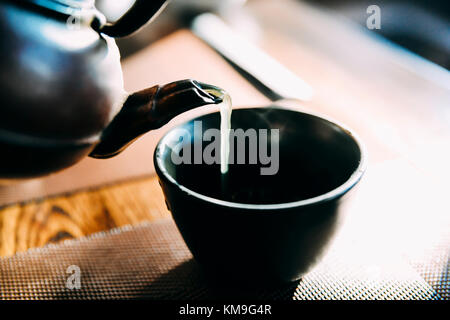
(38, 223)
(401, 116)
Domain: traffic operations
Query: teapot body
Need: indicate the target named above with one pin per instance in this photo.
(60, 87)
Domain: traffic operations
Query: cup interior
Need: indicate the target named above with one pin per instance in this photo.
(315, 157)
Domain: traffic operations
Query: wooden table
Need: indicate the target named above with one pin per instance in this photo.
(403, 117)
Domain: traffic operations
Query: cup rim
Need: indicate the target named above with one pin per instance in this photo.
(328, 196)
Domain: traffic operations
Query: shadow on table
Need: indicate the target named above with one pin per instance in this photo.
(188, 282)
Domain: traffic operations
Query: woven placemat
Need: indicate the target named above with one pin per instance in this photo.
(151, 261)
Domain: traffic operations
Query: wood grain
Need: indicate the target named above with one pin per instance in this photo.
(38, 223)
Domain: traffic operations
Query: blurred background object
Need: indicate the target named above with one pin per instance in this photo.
(270, 77)
(421, 26)
(177, 15)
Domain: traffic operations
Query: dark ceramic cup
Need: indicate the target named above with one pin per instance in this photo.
(266, 229)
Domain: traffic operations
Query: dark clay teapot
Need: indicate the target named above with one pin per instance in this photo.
(61, 87)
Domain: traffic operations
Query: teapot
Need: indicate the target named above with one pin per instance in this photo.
(61, 86)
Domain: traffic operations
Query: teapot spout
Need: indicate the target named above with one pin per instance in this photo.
(151, 109)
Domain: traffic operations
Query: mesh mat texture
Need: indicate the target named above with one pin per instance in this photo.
(151, 261)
